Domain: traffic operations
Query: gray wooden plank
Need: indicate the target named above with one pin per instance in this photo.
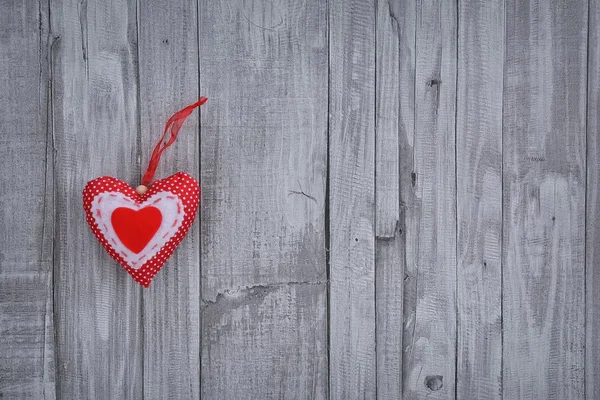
(430, 308)
(266, 342)
(26, 215)
(592, 225)
(544, 199)
(98, 317)
(479, 198)
(394, 119)
(352, 199)
(409, 203)
(263, 65)
(168, 67)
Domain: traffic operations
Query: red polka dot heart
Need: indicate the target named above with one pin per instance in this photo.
(141, 228)
(141, 232)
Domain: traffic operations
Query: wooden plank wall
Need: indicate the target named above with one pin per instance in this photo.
(263, 66)
(399, 199)
(592, 223)
(352, 199)
(544, 192)
(98, 309)
(26, 251)
(431, 219)
(394, 127)
(168, 75)
(479, 177)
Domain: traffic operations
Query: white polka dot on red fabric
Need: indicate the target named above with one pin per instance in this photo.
(182, 185)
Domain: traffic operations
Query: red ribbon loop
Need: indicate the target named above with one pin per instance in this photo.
(174, 124)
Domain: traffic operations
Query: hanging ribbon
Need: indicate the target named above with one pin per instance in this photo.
(173, 125)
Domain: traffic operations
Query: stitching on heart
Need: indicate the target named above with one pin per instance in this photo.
(105, 203)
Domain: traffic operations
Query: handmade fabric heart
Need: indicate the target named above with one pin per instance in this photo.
(141, 231)
(141, 228)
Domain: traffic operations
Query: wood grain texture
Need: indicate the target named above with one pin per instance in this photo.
(592, 224)
(479, 198)
(431, 222)
(98, 317)
(544, 199)
(263, 65)
(168, 68)
(394, 120)
(463, 217)
(266, 342)
(352, 199)
(409, 203)
(26, 215)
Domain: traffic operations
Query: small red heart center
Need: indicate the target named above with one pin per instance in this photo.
(135, 228)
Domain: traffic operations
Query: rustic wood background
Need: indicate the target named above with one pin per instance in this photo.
(400, 199)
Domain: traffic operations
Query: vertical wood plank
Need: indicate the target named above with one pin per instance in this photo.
(409, 203)
(592, 226)
(394, 122)
(429, 369)
(544, 199)
(479, 198)
(95, 115)
(263, 65)
(352, 199)
(266, 342)
(26, 215)
(168, 67)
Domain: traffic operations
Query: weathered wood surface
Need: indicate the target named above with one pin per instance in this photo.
(98, 305)
(26, 330)
(263, 65)
(479, 198)
(438, 148)
(394, 122)
(168, 79)
(352, 199)
(431, 217)
(544, 173)
(592, 223)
